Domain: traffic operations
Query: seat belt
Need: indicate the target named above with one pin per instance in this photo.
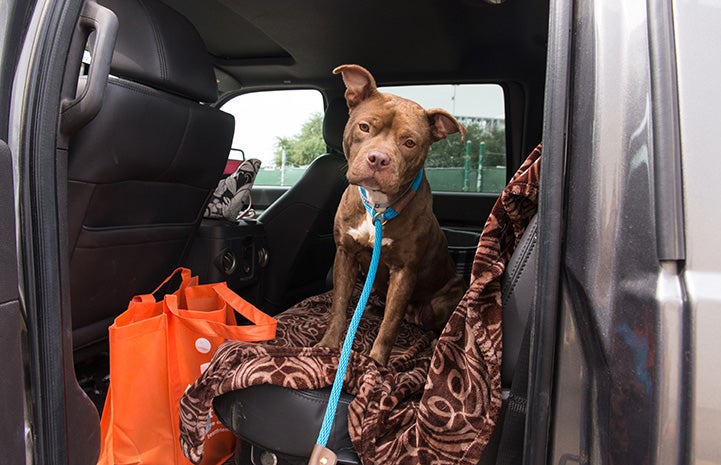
(510, 447)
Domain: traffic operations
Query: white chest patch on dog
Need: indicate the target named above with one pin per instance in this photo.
(377, 199)
(365, 233)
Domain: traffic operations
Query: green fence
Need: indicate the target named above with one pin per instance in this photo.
(278, 177)
(492, 179)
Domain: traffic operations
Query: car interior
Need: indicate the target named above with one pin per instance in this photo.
(144, 159)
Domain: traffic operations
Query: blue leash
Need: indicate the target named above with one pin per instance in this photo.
(378, 218)
(350, 335)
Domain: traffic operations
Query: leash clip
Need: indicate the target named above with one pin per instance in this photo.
(322, 456)
(379, 215)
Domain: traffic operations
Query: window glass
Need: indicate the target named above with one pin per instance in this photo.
(281, 128)
(479, 164)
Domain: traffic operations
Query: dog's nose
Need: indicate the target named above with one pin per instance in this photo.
(377, 160)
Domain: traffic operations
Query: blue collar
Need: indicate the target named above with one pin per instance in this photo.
(388, 213)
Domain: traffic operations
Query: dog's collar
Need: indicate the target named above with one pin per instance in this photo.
(388, 213)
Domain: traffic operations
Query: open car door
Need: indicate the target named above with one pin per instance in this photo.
(12, 326)
(46, 417)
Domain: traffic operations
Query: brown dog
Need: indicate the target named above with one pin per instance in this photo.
(386, 142)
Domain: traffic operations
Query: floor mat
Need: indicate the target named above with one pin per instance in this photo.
(94, 378)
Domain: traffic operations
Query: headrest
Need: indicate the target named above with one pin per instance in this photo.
(159, 47)
(336, 116)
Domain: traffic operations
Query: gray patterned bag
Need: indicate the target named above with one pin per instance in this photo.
(231, 199)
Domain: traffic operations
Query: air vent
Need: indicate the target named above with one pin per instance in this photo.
(228, 262)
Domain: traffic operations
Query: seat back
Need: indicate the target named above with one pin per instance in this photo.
(517, 289)
(518, 286)
(141, 171)
(299, 225)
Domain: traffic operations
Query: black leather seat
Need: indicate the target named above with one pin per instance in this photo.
(299, 225)
(252, 412)
(139, 173)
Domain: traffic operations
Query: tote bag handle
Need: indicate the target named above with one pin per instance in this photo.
(262, 329)
(186, 279)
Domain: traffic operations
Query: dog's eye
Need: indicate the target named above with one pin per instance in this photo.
(409, 143)
(364, 127)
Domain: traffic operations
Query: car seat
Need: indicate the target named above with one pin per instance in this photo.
(141, 171)
(252, 412)
(299, 225)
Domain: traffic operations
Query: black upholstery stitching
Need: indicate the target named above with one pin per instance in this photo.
(316, 397)
(180, 145)
(136, 87)
(518, 271)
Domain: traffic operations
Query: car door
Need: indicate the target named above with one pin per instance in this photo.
(624, 365)
(12, 324)
(45, 413)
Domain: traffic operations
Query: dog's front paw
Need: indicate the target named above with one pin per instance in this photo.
(329, 341)
(380, 355)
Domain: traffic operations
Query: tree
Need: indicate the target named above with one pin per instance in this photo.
(451, 152)
(304, 147)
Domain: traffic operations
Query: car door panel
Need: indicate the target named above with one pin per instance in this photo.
(12, 440)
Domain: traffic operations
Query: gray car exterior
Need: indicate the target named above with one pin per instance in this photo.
(635, 309)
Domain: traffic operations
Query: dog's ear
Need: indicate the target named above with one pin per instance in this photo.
(443, 124)
(359, 83)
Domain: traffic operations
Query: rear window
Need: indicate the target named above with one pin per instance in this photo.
(479, 163)
(283, 128)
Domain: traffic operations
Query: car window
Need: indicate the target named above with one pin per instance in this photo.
(287, 141)
(281, 128)
(479, 164)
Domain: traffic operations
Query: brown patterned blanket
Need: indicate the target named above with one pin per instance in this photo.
(433, 403)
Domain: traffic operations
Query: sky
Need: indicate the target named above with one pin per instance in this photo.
(261, 117)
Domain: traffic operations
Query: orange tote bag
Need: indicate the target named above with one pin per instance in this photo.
(158, 348)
